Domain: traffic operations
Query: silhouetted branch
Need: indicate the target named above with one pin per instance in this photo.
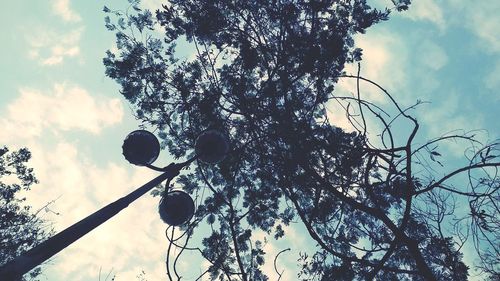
(359, 101)
(274, 262)
(168, 255)
(454, 173)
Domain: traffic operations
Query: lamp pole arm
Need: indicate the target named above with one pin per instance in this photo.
(17, 267)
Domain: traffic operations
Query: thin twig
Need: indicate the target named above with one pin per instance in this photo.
(275, 258)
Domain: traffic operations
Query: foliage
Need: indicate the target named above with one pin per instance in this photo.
(262, 75)
(20, 228)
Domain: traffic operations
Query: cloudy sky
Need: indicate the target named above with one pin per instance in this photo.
(56, 100)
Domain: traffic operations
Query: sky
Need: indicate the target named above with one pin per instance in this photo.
(56, 100)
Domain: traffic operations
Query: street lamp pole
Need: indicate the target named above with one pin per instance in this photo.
(140, 148)
(14, 269)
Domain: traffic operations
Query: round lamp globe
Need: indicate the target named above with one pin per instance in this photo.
(141, 147)
(176, 208)
(211, 146)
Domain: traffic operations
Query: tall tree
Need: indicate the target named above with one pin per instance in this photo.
(20, 228)
(262, 75)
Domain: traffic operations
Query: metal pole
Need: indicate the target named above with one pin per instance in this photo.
(17, 267)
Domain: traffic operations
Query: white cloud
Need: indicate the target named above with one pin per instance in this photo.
(337, 115)
(426, 10)
(481, 17)
(452, 115)
(63, 108)
(50, 48)
(153, 5)
(492, 80)
(431, 55)
(384, 61)
(130, 241)
(486, 23)
(62, 9)
(33, 53)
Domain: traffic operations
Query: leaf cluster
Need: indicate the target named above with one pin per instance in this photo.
(20, 228)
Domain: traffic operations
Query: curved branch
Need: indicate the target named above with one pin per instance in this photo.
(168, 254)
(450, 175)
(359, 101)
(275, 258)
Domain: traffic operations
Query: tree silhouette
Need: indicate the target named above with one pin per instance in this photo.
(374, 202)
(20, 228)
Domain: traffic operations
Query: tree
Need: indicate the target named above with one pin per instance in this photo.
(20, 228)
(262, 74)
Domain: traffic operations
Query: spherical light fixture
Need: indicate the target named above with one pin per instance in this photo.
(211, 146)
(176, 208)
(141, 147)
